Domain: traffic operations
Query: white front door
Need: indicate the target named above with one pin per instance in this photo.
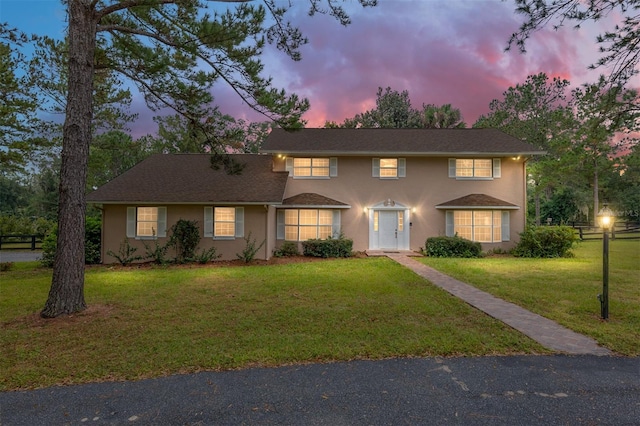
(388, 229)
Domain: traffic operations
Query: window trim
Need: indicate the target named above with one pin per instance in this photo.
(209, 223)
(401, 168)
(132, 223)
(496, 169)
(504, 226)
(281, 224)
(333, 167)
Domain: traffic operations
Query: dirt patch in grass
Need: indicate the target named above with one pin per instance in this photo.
(91, 314)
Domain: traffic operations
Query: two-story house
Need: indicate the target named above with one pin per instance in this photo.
(387, 189)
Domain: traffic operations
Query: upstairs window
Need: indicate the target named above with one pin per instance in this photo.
(474, 168)
(388, 168)
(312, 167)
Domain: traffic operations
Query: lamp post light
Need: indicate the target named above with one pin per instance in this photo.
(605, 217)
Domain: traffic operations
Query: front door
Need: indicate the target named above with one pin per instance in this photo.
(388, 229)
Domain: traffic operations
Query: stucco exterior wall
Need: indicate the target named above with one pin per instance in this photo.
(114, 228)
(426, 185)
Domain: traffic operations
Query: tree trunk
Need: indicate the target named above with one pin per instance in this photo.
(596, 201)
(66, 295)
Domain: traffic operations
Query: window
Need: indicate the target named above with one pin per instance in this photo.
(312, 167)
(389, 168)
(305, 224)
(484, 226)
(146, 222)
(478, 168)
(224, 222)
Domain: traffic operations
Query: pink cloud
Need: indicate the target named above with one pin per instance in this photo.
(441, 52)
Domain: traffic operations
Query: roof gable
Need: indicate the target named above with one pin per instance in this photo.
(189, 178)
(477, 201)
(432, 142)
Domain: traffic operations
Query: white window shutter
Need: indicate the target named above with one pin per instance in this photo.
(208, 222)
(335, 225)
(288, 165)
(375, 167)
(131, 222)
(402, 167)
(452, 167)
(239, 222)
(496, 168)
(333, 166)
(280, 224)
(449, 228)
(506, 234)
(162, 222)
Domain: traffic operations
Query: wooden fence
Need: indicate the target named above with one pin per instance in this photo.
(27, 242)
(620, 230)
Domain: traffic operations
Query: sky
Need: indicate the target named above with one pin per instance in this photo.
(440, 51)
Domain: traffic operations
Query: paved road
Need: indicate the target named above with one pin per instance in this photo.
(518, 390)
(19, 255)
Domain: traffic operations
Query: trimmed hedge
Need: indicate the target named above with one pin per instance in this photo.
(338, 247)
(452, 247)
(546, 241)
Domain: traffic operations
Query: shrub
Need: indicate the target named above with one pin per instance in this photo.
(126, 253)
(452, 247)
(49, 244)
(250, 249)
(206, 256)
(546, 241)
(92, 240)
(6, 266)
(156, 252)
(331, 247)
(185, 237)
(92, 243)
(287, 249)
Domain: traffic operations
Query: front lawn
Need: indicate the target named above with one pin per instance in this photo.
(565, 290)
(153, 321)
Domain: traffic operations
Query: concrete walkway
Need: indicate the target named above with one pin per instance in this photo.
(544, 331)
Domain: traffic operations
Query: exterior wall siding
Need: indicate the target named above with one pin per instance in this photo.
(115, 223)
(426, 185)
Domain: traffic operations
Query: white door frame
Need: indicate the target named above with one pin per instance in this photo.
(403, 232)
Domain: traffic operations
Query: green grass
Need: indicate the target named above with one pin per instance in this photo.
(565, 290)
(151, 322)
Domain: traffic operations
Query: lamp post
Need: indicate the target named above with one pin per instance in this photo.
(605, 217)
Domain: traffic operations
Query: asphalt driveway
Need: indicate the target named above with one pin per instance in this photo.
(514, 390)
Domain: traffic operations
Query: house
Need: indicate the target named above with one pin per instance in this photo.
(386, 189)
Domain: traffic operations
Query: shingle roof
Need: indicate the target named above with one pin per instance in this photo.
(312, 199)
(478, 201)
(396, 141)
(189, 178)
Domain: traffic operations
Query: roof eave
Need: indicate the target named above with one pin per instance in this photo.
(405, 153)
(483, 207)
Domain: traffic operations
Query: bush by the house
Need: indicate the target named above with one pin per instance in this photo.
(331, 247)
(126, 253)
(287, 249)
(250, 250)
(185, 237)
(546, 241)
(206, 256)
(452, 247)
(92, 236)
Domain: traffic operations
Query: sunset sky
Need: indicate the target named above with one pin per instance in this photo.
(440, 51)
